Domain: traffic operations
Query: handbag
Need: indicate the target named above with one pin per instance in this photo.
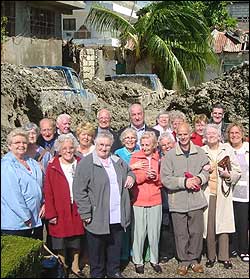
(225, 164)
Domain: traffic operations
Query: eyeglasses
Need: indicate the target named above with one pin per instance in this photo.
(47, 130)
(19, 142)
(130, 138)
(65, 149)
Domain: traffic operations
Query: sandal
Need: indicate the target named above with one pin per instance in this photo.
(244, 257)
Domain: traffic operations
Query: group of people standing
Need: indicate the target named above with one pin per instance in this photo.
(110, 193)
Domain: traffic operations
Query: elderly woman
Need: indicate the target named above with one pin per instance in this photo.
(85, 133)
(176, 118)
(101, 192)
(240, 241)
(128, 139)
(199, 122)
(167, 248)
(162, 120)
(147, 203)
(65, 224)
(21, 189)
(35, 151)
(219, 216)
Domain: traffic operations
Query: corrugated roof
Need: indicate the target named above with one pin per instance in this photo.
(224, 44)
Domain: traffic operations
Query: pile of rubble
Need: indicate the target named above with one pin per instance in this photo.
(23, 100)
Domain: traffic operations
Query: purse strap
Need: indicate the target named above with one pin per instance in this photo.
(225, 193)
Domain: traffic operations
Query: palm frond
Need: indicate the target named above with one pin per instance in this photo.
(102, 20)
(174, 71)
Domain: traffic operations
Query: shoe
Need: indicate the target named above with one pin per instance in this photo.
(156, 267)
(197, 268)
(182, 270)
(165, 259)
(234, 254)
(139, 269)
(244, 257)
(210, 263)
(78, 274)
(116, 275)
(228, 264)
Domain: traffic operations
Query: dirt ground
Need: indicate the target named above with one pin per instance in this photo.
(24, 99)
(239, 270)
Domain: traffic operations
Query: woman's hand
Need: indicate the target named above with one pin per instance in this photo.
(87, 221)
(28, 223)
(129, 182)
(42, 211)
(53, 221)
(224, 173)
(151, 174)
(138, 165)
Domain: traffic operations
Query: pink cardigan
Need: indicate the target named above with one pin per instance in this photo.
(146, 192)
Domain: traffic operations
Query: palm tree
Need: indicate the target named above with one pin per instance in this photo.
(170, 34)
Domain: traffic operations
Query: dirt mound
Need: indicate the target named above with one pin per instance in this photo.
(23, 98)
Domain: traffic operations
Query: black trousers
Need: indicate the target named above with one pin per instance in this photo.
(239, 240)
(104, 252)
(36, 233)
(167, 241)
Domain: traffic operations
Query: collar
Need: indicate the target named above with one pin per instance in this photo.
(143, 128)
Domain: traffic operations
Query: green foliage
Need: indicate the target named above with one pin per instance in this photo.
(171, 33)
(4, 33)
(20, 257)
(216, 14)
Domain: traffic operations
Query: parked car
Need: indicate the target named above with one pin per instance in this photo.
(150, 81)
(71, 77)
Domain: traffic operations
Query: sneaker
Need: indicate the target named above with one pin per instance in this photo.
(244, 257)
(234, 254)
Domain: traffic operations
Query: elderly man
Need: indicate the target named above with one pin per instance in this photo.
(104, 125)
(63, 123)
(48, 134)
(183, 174)
(137, 122)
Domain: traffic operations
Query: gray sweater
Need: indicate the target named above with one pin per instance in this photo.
(91, 191)
(172, 171)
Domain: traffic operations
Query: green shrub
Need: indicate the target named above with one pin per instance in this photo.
(20, 257)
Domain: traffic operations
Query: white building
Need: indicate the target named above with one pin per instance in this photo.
(75, 28)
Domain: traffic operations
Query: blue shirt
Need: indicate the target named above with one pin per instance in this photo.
(124, 154)
(21, 193)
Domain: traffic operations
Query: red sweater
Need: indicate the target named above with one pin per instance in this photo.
(58, 204)
(197, 139)
(146, 192)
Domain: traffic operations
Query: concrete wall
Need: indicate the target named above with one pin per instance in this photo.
(28, 51)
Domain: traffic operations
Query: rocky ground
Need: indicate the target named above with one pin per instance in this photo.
(239, 270)
(24, 99)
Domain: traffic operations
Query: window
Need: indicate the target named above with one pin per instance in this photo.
(69, 24)
(42, 23)
(82, 33)
(9, 10)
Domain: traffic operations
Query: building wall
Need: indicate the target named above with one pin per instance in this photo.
(240, 10)
(29, 51)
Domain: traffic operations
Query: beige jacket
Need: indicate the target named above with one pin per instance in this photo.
(224, 205)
